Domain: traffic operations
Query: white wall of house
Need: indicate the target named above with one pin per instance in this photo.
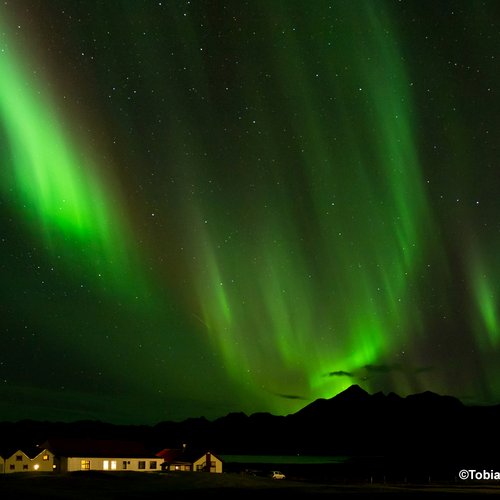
(111, 464)
(44, 462)
(202, 463)
(18, 462)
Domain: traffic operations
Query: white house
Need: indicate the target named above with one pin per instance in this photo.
(44, 461)
(103, 455)
(208, 462)
(18, 462)
(111, 463)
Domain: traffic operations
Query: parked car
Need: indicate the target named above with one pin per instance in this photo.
(276, 474)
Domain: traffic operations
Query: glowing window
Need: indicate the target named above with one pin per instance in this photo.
(113, 464)
(105, 464)
(45, 457)
(85, 464)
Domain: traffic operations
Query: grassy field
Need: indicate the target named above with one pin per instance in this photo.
(130, 485)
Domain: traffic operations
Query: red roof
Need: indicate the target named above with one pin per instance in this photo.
(170, 454)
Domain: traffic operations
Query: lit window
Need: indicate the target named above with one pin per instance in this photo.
(105, 465)
(45, 457)
(113, 464)
(142, 464)
(36, 467)
(85, 464)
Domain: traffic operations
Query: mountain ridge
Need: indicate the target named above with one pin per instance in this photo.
(352, 422)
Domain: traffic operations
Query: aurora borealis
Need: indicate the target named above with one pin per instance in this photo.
(245, 206)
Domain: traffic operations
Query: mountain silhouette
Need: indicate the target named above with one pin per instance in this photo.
(352, 395)
(352, 423)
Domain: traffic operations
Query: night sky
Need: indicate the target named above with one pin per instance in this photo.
(216, 206)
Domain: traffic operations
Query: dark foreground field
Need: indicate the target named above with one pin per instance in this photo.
(130, 485)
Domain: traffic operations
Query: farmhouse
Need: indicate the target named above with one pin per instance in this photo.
(18, 462)
(43, 461)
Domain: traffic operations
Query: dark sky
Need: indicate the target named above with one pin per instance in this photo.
(215, 206)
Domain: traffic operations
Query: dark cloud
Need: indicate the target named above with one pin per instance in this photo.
(291, 396)
(340, 373)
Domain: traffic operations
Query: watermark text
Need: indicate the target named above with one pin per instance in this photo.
(479, 474)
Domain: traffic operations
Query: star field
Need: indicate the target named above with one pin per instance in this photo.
(245, 206)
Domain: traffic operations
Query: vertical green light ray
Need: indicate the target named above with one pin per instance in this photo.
(212, 296)
(398, 154)
(486, 324)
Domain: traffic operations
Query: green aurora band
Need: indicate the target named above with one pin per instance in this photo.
(57, 186)
(300, 253)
